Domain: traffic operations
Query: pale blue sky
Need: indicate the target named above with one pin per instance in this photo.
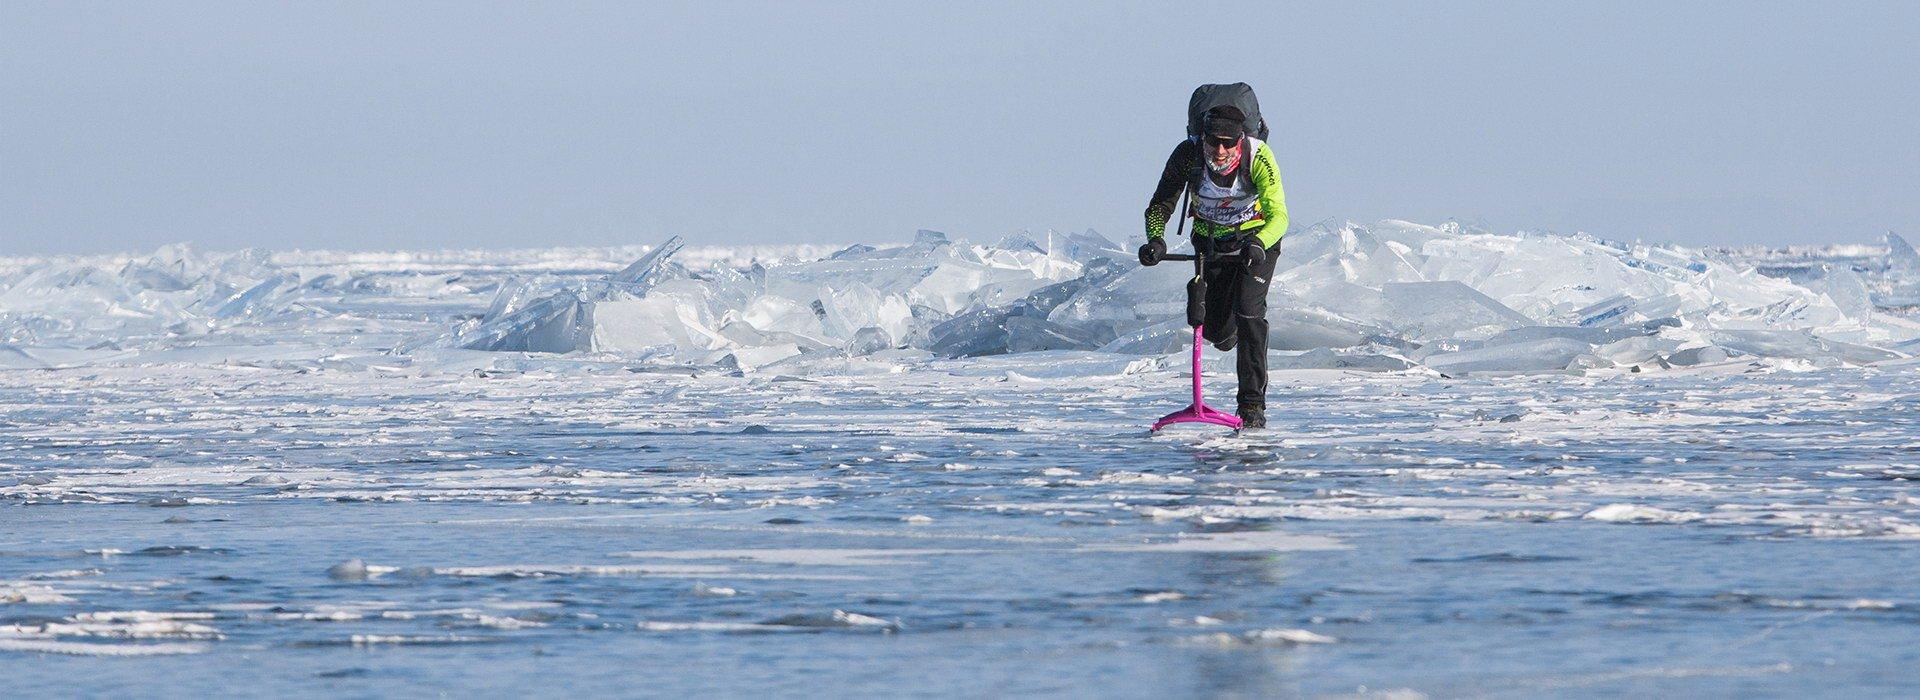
(125, 126)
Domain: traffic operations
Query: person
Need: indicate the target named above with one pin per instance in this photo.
(1237, 206)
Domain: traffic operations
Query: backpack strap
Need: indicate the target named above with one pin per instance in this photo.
(1199, 169)
(1183, 212)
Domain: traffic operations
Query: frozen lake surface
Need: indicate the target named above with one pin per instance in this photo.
(1500, 466)
(956, 530)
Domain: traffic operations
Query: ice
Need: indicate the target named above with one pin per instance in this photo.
(1411, 293)
(861, 298)
(1328, 358)
(1634, 352)
(869, 340)
(1265, 637)
(638, 276)
(1900, 290)
(1308, 328)
(46, 646)
(1527, 356)
(835, 619)
(1449, 309)
(1594, 336)
(1800, 345)
(1703, 355)
(1048, 364)
(31, 595)
(1630, 513)
(1031, 334)
(1023, 325)
(1135, 299)
(1086, 246)
(1412, 286)
(849, 309)
(277, 456)
(349, 570)
(174, 291)
(1158, 339)
(1847, 290)
(1901, 257)
(591, 503)
(554, 323)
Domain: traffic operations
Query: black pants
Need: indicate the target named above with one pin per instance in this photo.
(1237, 307)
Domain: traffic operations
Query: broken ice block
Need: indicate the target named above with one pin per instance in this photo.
(1846, 290)
(1327, 358)
(1593, 336)
(1637, 351)
(1532, 356)
(1137, 298)
(1306, 328)
(1705, 355)
(556, 323)
(1172, 335)
(1087, 246)
(1446, 310)
(637, 274)
(652, 321)
(1798, 344)
(1032, 334)
(856, 306)
(1901, 256)
(869, 340)
(1607, 311)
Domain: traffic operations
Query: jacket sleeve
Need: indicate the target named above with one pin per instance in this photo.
(1273, 200)
(1173, 180)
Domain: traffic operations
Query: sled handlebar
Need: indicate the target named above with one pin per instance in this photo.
(1189, 256)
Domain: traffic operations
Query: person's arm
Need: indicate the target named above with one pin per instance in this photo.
(1273, 200)
(1173, 181)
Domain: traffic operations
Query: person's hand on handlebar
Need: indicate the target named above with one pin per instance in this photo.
(1256, 254)
(1153, 252)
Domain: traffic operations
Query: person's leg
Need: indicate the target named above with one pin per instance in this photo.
(1223, 284)
(1250, 324)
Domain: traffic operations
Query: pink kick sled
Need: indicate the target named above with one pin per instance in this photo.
(1199, 412)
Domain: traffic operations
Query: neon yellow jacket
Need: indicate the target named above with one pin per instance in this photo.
(1186, 165)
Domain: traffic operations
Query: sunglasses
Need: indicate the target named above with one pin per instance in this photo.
(1222, 142)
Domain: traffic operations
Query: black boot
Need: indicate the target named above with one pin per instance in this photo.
(1253, 417)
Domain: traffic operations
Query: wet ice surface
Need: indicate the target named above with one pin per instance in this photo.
(988, 526)
(788, 470)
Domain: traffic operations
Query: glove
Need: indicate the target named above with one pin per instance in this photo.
(1153, 251)
(1256, 255)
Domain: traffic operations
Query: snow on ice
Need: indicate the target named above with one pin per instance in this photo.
(873, 456)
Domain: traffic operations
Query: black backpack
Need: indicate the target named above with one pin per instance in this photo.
(1238, 95)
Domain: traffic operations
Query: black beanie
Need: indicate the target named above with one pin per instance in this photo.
(1226, 121)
